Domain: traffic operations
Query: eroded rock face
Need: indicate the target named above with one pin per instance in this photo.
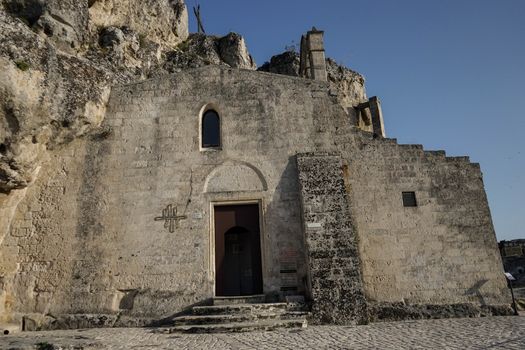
(202, 50)
(286, 63)
(58, 63)
(47, 97)
(162, 21)
(233, 51)
(28, 10)
(59, 59)
(73, 24)
(348, 84)
(65, 22)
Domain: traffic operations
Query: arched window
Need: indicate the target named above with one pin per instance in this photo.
(211, 129)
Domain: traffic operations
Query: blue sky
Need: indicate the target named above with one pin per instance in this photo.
(450, 73)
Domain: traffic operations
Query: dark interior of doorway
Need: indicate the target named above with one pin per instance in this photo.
(237, 250)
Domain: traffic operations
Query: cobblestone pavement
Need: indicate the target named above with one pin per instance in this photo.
(479, 333)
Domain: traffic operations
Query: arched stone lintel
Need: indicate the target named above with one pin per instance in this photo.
(235, 176)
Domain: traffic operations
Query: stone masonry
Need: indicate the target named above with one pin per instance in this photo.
(336, 285)
(108, 192)
(106, 247)
(84, 239)
(414, 255)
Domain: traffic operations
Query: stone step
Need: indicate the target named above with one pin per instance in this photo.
(247, 308)
(437, 154)
(291, 299)
(241, 316)
(459, 159)
(237, 318)
(248, 299)
(414, 147)
(389, 140)
(264, 325)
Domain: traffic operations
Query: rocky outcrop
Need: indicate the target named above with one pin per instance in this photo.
(286, 63)
(59, 59)
(201, 50)
(46, 98)
(163, 21)
(70, 24)
(233, 51)
(66, 22)
(348, 84)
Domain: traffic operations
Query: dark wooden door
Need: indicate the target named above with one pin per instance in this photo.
(238, 268)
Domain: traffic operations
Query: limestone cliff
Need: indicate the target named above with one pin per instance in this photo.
(72, 24)
(164, 22)
(201, 50)
(59, 59)
(47, 96)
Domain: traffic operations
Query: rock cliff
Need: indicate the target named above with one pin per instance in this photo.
(59, 59)
(72, 24)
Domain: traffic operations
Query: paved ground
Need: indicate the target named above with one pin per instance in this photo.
(479, 333)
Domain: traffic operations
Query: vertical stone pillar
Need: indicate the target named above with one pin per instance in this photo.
(334, 266)
(313, 60)
(317, 56)
(377, 116)
(304, 67)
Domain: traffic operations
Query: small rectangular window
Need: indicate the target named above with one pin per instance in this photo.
(409, 199)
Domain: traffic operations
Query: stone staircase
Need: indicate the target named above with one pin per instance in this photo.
(241, 314)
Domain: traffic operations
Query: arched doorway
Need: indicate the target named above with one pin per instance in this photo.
(237, 250)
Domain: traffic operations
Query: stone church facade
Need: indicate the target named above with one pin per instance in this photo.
(216, 181)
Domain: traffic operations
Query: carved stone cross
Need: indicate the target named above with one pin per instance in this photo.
(170, 218)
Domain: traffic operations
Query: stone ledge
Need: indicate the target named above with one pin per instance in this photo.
(388, 312)
(40, 322)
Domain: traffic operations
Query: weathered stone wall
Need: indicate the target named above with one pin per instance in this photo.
(443, 251)
(84, 239)
(335, 281)
(39, 249)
